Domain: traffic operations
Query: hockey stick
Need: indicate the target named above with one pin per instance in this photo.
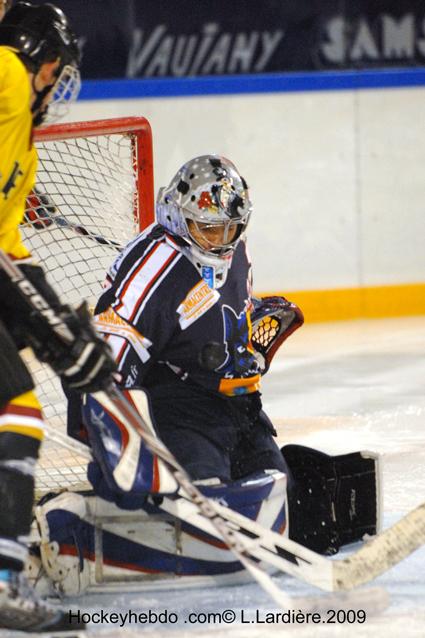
(37, 304)
(115, 401)
(62, 222)
(249, 541)
(254, 542)
(370, 561)
(373, 559)
(50, 214)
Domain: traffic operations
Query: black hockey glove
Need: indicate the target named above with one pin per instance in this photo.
(84, 363)
(84, 366)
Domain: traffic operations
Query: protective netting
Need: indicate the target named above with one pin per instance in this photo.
(83, 207)
(265, 332)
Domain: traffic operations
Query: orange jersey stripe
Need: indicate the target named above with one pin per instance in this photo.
(231, 386)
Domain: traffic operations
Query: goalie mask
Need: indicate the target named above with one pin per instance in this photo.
(207, 204)
(42, 34)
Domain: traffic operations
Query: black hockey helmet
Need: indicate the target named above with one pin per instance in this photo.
(40, 33)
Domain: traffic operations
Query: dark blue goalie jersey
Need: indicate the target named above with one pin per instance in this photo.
(162, 319)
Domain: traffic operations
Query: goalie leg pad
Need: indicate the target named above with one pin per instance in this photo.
(66, 543)
(127, 466)
(87, 541)
(333, 500)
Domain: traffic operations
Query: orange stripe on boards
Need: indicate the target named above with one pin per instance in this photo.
(366, 302)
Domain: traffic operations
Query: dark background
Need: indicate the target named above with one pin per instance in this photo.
(177, 38)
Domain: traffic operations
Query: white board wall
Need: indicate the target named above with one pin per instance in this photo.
(337, 177)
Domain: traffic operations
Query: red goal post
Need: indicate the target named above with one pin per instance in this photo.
(94, 192)
(136, 127)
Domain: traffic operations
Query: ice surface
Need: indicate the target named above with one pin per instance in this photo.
(338, 387)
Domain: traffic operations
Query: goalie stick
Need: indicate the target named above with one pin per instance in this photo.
(257, 543)
(249, 541)
(374, 558)
(62, 222)
(36, 303)
(363, 565)
(46, 213)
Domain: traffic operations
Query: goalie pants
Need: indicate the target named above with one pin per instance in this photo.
(213, 435)
(21, 432)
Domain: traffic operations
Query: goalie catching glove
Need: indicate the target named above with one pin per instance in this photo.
(67, 341)
(273, 319)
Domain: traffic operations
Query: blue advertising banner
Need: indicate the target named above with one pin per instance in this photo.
(193, 38)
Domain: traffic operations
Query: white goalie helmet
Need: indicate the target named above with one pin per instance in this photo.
(207, 203)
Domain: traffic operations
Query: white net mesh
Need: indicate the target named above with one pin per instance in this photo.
(86, 193)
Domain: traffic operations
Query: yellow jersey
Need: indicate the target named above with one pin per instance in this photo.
(18, 156)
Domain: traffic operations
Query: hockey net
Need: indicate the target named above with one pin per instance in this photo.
(94, 192)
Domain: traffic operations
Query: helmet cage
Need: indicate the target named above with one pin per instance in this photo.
(205, 195)
(65, 91)
(233, 230)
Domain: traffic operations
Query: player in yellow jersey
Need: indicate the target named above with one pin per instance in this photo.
(39, 59)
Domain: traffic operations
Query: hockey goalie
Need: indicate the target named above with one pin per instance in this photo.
(191, 344)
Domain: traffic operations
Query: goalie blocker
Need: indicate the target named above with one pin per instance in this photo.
(88, 539)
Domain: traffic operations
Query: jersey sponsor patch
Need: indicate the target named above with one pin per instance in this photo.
(109, 323)
(196, 303)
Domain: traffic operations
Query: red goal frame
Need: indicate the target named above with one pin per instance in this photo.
(141, 133)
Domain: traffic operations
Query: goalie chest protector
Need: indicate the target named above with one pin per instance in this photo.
(161, 314)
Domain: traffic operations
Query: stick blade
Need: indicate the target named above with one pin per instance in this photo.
(382, 552)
